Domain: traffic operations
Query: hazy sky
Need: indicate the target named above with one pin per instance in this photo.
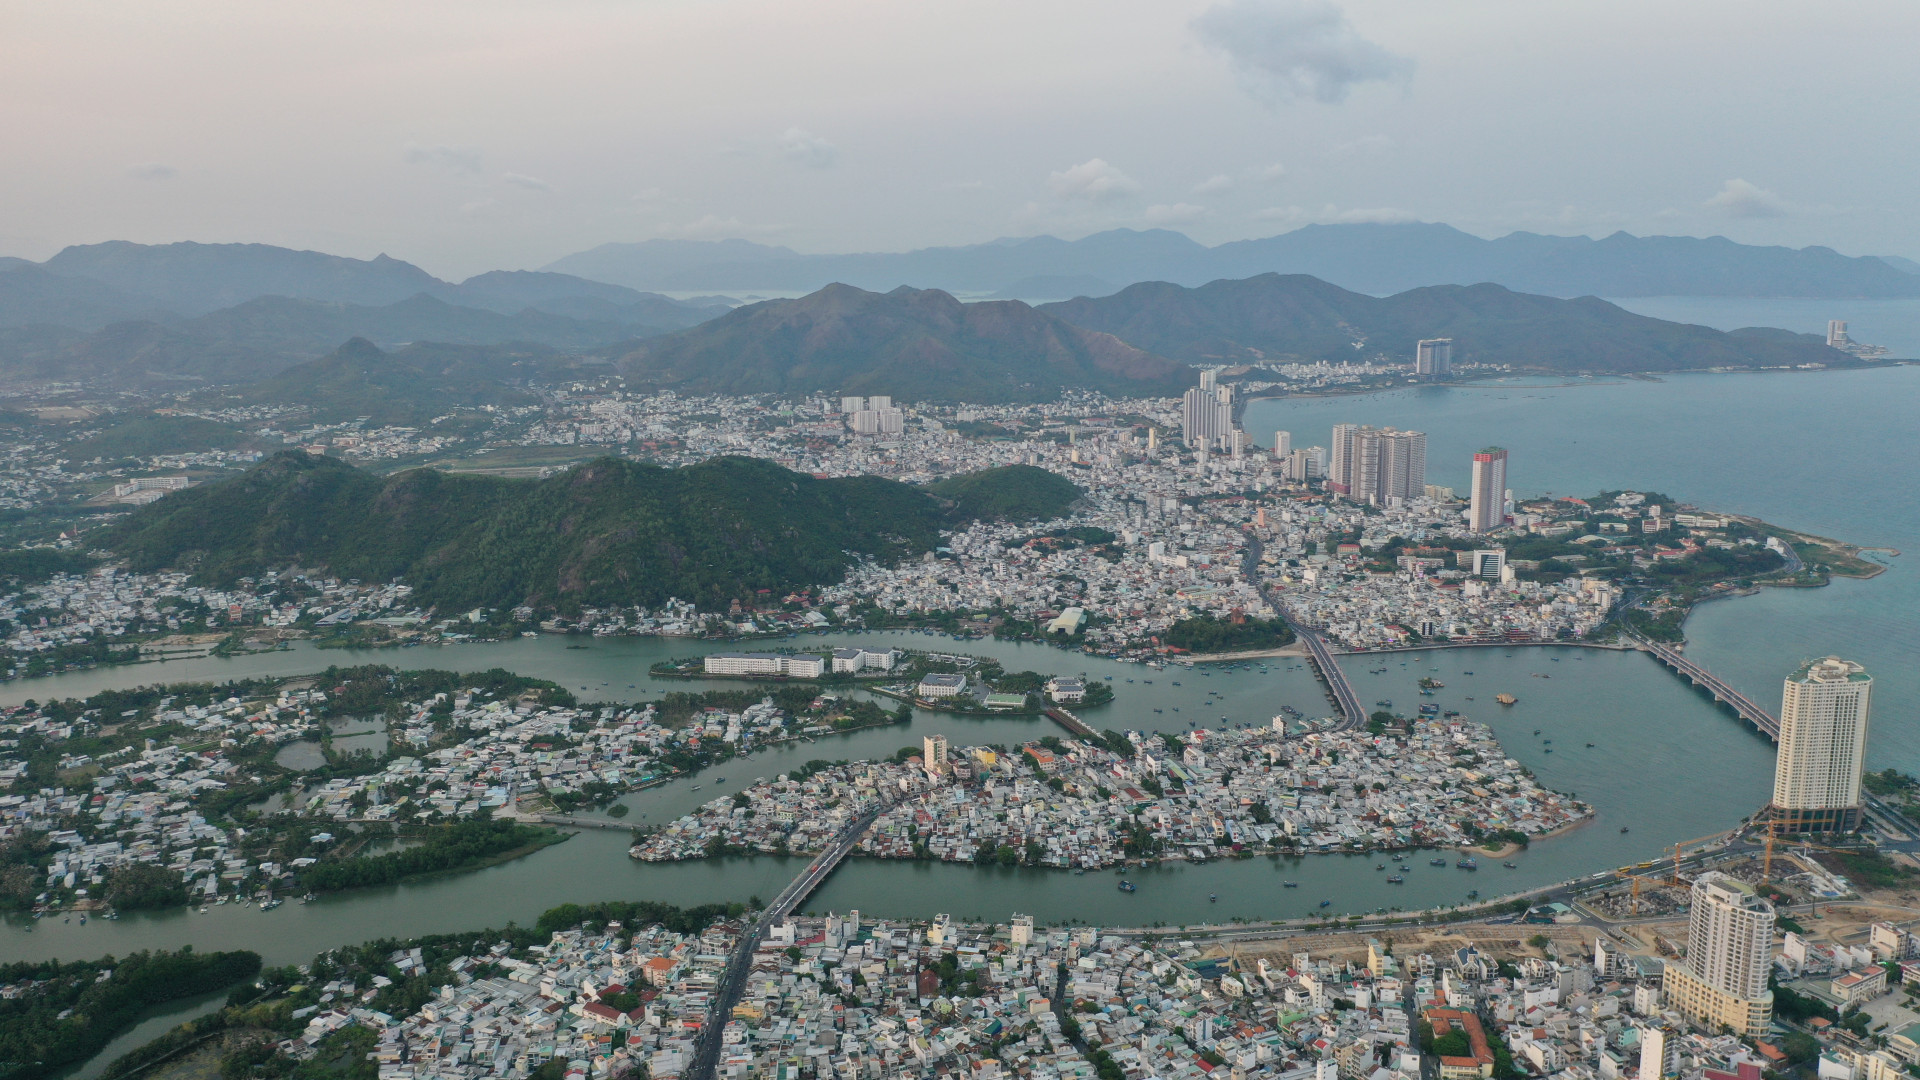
(480, 134)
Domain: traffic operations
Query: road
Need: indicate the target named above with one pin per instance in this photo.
(1353, 715)
(733, 982)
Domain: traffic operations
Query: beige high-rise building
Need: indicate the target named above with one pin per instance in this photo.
(1487, 509)
(1722, 982)
(1823, 747)
(1378, 466)
(934, 754)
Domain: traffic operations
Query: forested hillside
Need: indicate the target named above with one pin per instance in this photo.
(610, 532)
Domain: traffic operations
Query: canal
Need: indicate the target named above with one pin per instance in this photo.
(1665, 764)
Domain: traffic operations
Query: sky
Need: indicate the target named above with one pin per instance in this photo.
(469, 135)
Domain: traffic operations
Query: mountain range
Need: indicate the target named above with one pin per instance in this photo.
(177, 315)
(1370, 258)
(1275, 317)
(225, 313)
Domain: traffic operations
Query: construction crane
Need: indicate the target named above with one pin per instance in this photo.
(1633, 909)
(1766, 864)
(1674, 880)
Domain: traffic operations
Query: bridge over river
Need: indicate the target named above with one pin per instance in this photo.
(1722, 691)
(733, 982)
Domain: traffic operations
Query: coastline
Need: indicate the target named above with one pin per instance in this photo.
(1295, 650)
(1579, 378)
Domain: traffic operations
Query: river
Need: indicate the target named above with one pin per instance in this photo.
(1828, 453)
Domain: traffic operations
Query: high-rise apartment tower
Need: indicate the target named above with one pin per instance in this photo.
(1433, 358)
(1823, 747)
(1723, 980)
(1378, 466)
(1487, 506)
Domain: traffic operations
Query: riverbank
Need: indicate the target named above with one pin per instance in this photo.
(1295, 650)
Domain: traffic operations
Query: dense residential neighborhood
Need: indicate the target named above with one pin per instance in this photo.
(1082, 804)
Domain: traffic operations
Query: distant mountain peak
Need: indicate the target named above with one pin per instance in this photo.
(913, 344)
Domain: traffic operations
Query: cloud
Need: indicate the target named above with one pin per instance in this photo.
(1176, 214)
(1291, 49)
(715, 227)
(1737, 198)
(1271, 174)
(1213, 184)
(1378, 215)
(1281, 213)
(531, 183)
(1365, 146)
(153, 170)
(1333, 215)
(803, 147)
(457, 159)
(1093, 180)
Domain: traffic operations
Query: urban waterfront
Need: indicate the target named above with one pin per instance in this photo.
(1777, 446)
(1667, 764)
(1623, 702)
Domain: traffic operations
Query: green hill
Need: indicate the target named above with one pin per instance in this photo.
(146, 434)
(912, 344)
(609, 532)
(407, 385)
(1011, 493)
(1298, 318)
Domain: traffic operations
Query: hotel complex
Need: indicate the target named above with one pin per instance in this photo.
(1723, 980)
(1823, 747)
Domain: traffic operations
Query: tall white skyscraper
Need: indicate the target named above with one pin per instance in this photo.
(1206, 415)
(1282, 443)
(1433, 358)
(1403, 467)
(1340, 459)
(1837, 334)
(1378, 466)
(1823, 747)
(1723, 980)
(1487, 505)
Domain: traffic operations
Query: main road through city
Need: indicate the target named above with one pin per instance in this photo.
(1342, 692)
(733, 982)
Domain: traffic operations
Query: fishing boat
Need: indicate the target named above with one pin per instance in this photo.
(1213, 898)
(1326, 903)
(1505, 699)
(1289, 884)
(1511, 866)
(1395, 880)
(1128, 886)
(1623, 828)
(1467, 864)
(1474, 895)
(1436, 862)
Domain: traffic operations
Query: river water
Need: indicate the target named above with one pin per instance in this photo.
(1830, 453)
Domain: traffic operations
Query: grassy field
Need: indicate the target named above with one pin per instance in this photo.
(520, 460)
(1840, 558)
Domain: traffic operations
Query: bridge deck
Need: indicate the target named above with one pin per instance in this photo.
(1721, 690)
